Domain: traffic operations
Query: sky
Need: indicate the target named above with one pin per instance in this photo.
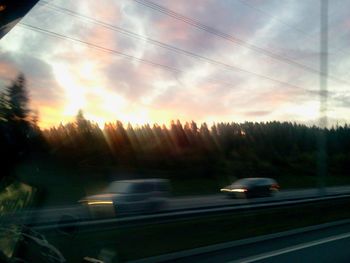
(138, 65)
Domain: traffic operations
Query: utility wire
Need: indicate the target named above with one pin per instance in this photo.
(161, 44)
(158, 43)
(91, 45)
(116, 52)
(305, 33)
(251, 6)
(231, 38)
(120, 30)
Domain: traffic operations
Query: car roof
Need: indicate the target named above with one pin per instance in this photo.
(257, 178)
(152, 180)
(254, 179)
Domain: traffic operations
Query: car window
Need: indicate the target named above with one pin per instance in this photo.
(244, 182)
(141, 188)
(119, 187)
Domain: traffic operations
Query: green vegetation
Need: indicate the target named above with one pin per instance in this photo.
(15, 197)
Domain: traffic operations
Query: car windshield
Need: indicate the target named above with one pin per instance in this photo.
(119, 187)
(245, 182)
(129, 187)
(162, 130)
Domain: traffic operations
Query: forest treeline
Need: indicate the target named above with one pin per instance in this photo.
(246, 149)
(184, 149)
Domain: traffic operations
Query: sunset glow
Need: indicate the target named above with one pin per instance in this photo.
(140, 66)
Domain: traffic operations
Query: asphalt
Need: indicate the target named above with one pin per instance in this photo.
(189, 203)
(326, 245)
(193, 202)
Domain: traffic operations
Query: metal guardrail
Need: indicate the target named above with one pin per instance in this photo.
(91, 225)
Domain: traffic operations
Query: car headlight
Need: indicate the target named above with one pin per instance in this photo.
(100, 202)
(239, 190)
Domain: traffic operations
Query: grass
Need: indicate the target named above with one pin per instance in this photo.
(15, 196)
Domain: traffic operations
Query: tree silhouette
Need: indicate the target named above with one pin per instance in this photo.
(18, 100)
(80, 120)
(20, 134)
(3, 107)
(233, 149)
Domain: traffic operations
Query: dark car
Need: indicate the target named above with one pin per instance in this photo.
(252, 187)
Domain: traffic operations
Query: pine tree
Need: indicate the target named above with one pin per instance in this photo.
(16, 130)
(3, 107)
(18, 100)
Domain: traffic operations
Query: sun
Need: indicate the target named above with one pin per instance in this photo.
(86, 70)
(73, 91)
(85, 88)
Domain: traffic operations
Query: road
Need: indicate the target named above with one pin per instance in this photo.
(194, 202)
(329, 245)
(76, 211)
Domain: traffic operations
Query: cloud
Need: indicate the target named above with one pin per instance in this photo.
(45, 94)
(40, 79)
(257, 113)
(199, 90)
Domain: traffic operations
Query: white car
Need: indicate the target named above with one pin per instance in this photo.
(129, 197)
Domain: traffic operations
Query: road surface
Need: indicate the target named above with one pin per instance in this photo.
(54, 214)
(330, 245)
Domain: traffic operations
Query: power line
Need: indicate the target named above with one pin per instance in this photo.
(163, 45)
(305, 33)
(158, 43)
(116, 52)
(231, 38)
(91, 45)
(121, 30)
(277, 19)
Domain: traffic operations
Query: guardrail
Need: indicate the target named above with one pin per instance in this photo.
(163, 233)
(91, 225)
